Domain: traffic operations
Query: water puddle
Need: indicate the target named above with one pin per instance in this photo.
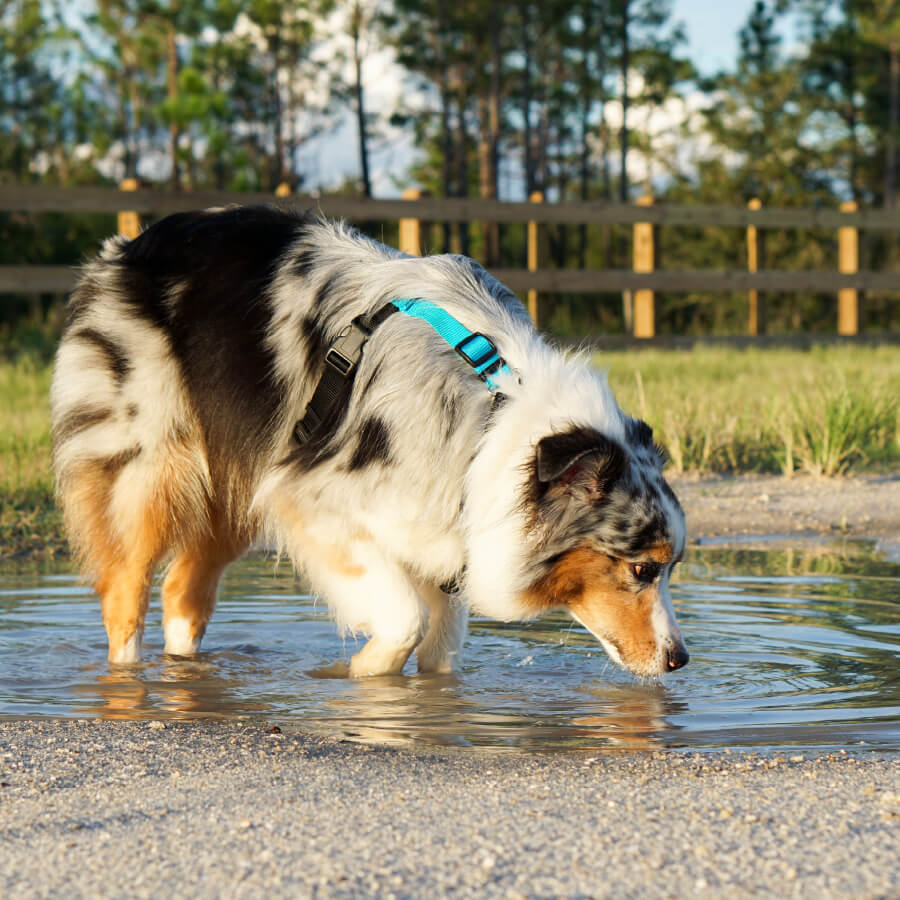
(789, 647)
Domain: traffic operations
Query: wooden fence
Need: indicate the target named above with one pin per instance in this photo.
(415, 209)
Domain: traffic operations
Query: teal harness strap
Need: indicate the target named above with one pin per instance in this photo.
(343, 356)
(475, 348)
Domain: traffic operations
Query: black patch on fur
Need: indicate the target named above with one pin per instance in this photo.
(651, 533)
(114, 464)
(373, 377)
(203, 278)
(325, 288)
(314, 344)
(80, 419)
(373, 446)
(304, 262)
(116, 359)
(451, 408)
(639, 432)
(132, 410)
(640, 436)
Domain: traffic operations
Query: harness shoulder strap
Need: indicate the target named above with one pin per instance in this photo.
(344, 354)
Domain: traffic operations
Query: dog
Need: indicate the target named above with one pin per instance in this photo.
(429, 483)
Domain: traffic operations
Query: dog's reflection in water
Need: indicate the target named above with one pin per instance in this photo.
(627, 716)
(438, 709)
(177, 688)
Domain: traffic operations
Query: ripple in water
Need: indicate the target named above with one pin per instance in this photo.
(789, 647)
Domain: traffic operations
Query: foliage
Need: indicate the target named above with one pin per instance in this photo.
(589, 100)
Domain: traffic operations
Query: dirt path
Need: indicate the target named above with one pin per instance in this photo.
(231, 809)
(859, 506)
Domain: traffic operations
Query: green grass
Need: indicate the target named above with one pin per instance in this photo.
(29, 521)
(828, 411)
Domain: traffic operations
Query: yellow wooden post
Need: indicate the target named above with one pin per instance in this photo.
(129, 222)
(644, 314)
(283, 190)
(410, 237)
(756, 324)
(848, 264)
(534, 257)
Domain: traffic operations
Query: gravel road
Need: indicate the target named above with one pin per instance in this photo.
(230, 809)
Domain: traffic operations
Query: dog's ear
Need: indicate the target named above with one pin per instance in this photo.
(579, 459)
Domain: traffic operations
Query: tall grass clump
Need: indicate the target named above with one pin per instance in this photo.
(826, 411)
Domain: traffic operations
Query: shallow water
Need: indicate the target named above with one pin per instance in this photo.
(789, 647)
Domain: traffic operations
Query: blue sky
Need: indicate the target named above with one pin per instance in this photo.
(712, 29)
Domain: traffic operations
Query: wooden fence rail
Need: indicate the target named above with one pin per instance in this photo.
(442, 209)
(415, 209)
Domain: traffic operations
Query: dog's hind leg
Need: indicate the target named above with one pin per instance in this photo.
(448, 617)
(121, 569)
(189, 591)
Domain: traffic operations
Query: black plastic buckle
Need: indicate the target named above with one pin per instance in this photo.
(338, 361)
(475, 363)
(344, 354)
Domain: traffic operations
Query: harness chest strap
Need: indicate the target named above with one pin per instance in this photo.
(343, 356)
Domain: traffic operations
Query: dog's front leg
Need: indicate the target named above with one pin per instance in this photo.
(370, 594)
(448, 619)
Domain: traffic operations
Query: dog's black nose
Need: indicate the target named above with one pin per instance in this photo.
(676, 657)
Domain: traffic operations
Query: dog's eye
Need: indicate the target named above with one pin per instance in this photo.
(645, 572)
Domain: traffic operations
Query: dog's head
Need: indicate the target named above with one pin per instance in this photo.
(608, 531)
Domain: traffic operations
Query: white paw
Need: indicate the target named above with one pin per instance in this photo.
(129, 653)
(179, 639)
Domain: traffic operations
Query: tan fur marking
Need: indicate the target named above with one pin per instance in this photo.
(661, 553)
(335, 557)
(597, 590)
(189, 591)
(120, 558)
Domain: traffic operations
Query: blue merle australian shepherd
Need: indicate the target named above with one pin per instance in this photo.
(393, 423)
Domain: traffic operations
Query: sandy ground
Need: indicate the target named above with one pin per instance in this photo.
(236, 809)
(100, 809)
(861, 506)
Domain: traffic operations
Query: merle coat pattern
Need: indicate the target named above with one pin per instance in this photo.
(191, 352)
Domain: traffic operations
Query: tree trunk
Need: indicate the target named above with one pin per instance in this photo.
(446, 155)
(530, 181)
(626, 65)
(172, 79)
(360, 108)
(890, 162)
(627, 299)
(462, 162)
(492, 229)
(446, 134)
(278, 167)
(486, 177)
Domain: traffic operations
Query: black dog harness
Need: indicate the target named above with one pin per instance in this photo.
(344, 354)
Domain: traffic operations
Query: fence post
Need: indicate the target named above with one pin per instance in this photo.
(534, 257)
(129, 222)
(757, 317)
(644, 314)
(283, 190)
(848, 264)
(410, 236)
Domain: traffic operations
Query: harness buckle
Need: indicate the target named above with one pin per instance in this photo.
(344, 354)
(484, 357)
